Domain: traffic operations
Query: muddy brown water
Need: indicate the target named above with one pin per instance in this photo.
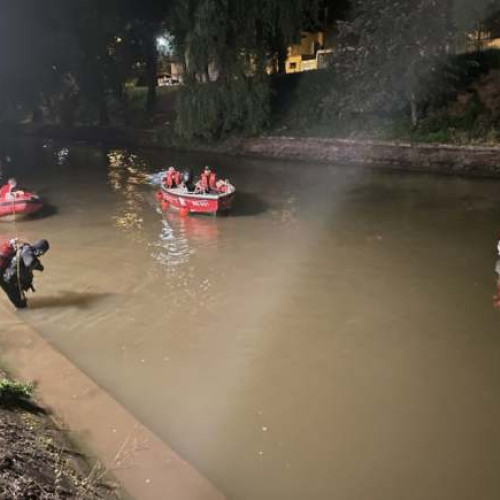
(334, 338)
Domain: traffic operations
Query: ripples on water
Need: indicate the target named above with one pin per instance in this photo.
(333, 338)
(177, 238)
(172, 248)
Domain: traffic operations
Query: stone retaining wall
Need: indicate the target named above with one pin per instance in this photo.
(459, 160)
(444, 159)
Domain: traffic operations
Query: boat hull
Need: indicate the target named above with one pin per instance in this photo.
(196, 203)
(19, 208)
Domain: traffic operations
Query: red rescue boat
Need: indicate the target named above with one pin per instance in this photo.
(198, 203)
(19, 205)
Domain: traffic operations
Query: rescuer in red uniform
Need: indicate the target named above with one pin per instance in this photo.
(207, 182)
(7, 251)
(8, 188)
(172, 178)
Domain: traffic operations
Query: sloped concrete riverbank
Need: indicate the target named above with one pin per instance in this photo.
(147, 468)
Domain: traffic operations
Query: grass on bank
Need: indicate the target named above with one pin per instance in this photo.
(38, 458)
(12, 391)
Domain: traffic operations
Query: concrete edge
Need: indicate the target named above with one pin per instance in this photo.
(147, 467)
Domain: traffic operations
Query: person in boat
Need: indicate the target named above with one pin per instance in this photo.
(223, 186)
(172, 178)
(207, 182)
(19, 262)
(8, 190)
(187, 180)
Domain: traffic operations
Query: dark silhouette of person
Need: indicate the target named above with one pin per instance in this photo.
(16, 277)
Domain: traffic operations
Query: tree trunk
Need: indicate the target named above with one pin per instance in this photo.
(414, 110)
(151, 72)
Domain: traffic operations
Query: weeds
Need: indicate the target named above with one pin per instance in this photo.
(12, 392)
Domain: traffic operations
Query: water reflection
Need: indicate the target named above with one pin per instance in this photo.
(172, 248)
(181, 236)
(197, 228)
(62, 156)
(54, 154)
(247, 204)
(125, 175)
(125, 168)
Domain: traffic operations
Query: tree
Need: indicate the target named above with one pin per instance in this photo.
(36, 51)
(96, 66)
(399, 44)
(146, 20)
(227, 47)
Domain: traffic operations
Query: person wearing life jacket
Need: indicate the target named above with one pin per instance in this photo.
(17, 277)
(8, 189)
(172, 178)
(223, 186)
(207, 182)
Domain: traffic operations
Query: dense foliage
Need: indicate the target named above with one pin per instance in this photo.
(74, 62)
(399, 46)
(234, 44)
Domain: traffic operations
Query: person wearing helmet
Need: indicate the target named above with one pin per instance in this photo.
(17, 276)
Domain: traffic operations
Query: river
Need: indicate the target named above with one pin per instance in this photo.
(333, 338)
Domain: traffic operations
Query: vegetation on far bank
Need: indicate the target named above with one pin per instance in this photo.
(463, 109)
(400, 69)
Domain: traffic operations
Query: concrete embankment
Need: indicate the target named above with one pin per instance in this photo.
(147, 467)
(443, 159)
(438, 158)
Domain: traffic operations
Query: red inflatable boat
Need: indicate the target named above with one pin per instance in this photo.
(19, 205)
(197, 203)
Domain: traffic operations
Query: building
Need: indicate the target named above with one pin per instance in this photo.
(486, 35)
(170, 72)
(314, 51)
(302, 56)
(482, 40)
